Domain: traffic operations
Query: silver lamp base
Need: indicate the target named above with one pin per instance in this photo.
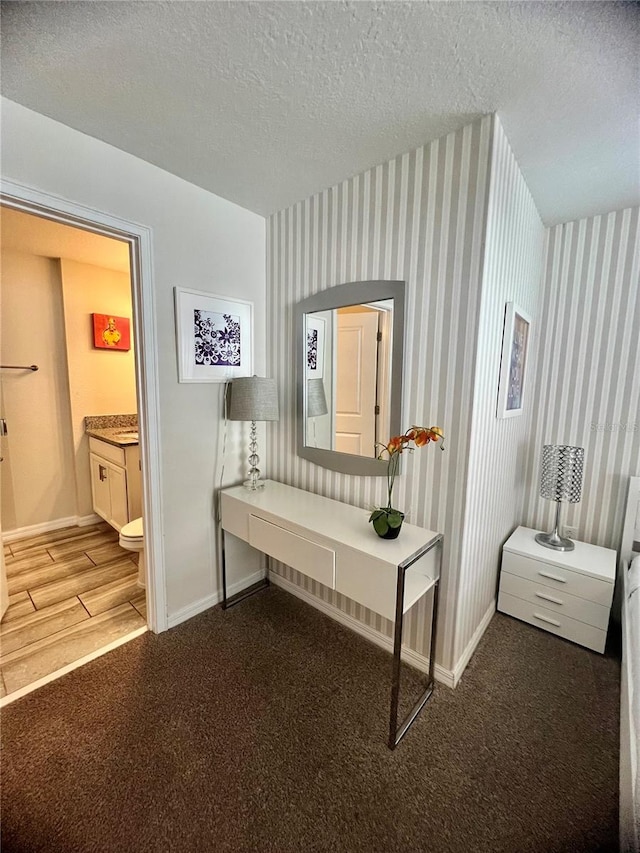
(554, 541)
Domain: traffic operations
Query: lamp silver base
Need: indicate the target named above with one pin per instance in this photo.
(554, 541)
(253, 485)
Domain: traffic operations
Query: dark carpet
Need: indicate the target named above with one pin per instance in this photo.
(264, 729)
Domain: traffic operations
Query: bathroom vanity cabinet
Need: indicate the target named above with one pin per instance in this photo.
(115, 481)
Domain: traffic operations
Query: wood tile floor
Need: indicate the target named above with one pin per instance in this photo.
(71, 592)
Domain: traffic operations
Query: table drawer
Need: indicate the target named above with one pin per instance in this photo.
(556, 599)
(555, 623)
(557, 578)
(308, 557)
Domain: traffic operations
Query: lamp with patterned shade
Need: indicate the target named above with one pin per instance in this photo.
(560, 480)
(253, 398)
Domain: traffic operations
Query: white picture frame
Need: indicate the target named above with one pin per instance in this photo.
(214, 336)
(314, 347)
(513, 361)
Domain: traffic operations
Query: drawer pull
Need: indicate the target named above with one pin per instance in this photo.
(552, 577)
(549, 598)
(545, 619)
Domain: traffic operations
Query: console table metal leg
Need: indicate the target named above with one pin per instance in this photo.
(229, 601)
(434, 630)
(397, 653)
(396, 733)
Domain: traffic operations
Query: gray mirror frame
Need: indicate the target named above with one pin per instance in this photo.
(354, 293)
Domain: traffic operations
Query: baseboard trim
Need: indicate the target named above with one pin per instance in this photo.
(209, 601)
(86, 520)
(464, 659)
(420, 662)
(48, 526)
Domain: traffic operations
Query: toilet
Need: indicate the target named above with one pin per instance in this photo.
(132, 539)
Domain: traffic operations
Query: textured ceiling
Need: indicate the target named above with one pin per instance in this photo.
(265, 103)
(23, 232)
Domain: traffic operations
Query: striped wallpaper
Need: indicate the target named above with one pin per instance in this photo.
(496, 486)
(420, 217)
(588, 380)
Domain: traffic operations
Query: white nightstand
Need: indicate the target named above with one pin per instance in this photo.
(568, 593)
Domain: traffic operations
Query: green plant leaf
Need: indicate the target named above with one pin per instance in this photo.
(377, 513)
(395, 519)
(380, 524)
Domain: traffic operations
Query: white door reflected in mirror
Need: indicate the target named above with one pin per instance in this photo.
(348, 375)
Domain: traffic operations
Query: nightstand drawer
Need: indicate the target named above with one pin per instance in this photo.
(557, 600)
(559, 578)
(548, 620)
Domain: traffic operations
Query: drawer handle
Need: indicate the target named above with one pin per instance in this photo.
(549, 598)
(103, 472)
(545, 619)
(552, 577)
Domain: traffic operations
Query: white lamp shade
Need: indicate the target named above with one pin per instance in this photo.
(254, 398)
(316, 399)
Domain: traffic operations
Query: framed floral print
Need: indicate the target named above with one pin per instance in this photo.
(214, 335)
(315, 347)
(515, 345)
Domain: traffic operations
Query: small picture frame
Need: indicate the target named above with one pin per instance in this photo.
(214, 336)
(111, 332)
(315, 347)
(513, 362)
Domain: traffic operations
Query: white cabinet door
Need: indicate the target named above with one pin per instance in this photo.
(109, 491)
(118, 496)
(100, 486)
(134, 482)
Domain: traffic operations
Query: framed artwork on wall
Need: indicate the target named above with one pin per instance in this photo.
(513, 362)
(315, 347)
(214, 336)
(111, 332)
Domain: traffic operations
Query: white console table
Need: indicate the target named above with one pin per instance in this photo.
(333, 543)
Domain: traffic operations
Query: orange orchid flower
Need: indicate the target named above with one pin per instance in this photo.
(395, 444)
(426, 434)
(422, 437)
(416, 435)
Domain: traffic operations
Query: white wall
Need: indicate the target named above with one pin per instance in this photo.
(199, 241)
(38, 479)
(101, 382)
(498, 447)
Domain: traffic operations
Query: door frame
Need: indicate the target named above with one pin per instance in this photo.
(140, 239)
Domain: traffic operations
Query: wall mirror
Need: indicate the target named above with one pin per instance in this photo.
(349, 353)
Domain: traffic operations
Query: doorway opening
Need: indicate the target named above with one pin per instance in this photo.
(92, 579)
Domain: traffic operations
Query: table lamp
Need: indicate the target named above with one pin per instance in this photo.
(253, 398)
(316, 399)
(316, 403)
(560, 480)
